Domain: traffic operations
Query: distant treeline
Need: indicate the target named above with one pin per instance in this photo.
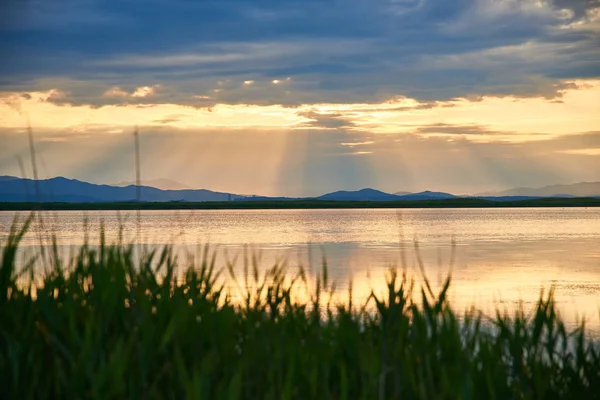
(304, 204)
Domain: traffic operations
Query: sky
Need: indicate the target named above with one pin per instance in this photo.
(300, 98)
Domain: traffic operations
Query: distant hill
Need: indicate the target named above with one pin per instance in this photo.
(254, 197)
(71, 190)
(359, 195)
(161, 183)
(427, 195)
(583, 189)
(377, 195)
(13, 189)
(402, 193)
(509, 198)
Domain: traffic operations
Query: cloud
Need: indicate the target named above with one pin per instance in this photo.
(145, 91)
(355, 51)
(354, 144)
(462, 130)
(139, 92)
(487, 118)
(115, 92)
(579, 8)
(587, 152)
(57, 15)
(321, 120)
(455, 129)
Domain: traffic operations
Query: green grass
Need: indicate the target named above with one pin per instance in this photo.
(107, 324)
(304, 204)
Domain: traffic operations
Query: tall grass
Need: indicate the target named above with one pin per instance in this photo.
(107, 324)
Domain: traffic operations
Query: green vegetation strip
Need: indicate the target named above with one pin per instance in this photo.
(304, 204)
(110, 325)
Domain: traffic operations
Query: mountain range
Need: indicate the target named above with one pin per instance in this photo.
(582, 189)
(376, 195)
(59, 189)
(161, 183)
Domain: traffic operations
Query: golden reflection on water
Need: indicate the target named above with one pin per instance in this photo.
(501, 256)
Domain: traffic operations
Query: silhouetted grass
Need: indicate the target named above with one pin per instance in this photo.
(110, 325)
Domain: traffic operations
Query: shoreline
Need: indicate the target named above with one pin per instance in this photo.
(302, 204)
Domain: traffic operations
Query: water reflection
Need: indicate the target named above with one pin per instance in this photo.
(502, 256)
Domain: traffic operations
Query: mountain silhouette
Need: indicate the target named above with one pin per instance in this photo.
(59, 189)
(71, 190)
(427, 195)
(582, 189)
(161, 183)
(377, 195)
(359, 195)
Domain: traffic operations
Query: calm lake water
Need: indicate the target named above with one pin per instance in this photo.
(502, 256)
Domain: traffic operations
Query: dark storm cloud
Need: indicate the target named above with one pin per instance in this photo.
(334, 51)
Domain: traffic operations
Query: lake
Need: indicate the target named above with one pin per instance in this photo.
(501, 256)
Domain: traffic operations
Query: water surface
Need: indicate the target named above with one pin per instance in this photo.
(501, 256)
